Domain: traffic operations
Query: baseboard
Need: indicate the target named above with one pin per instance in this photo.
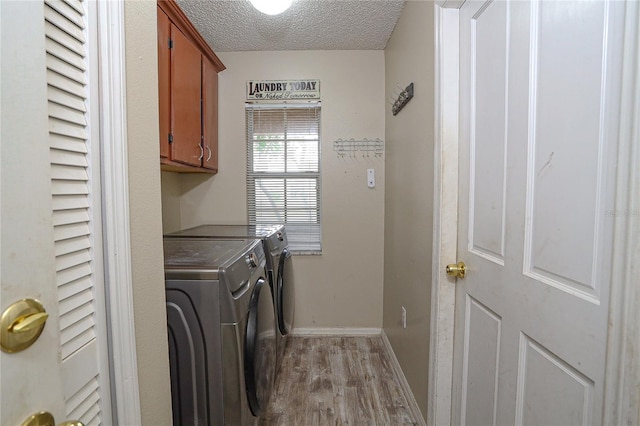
(413, 404)
(337, 331)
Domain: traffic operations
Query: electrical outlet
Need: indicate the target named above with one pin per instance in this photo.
(404, 317)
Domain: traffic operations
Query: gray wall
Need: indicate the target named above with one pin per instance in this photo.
(408, 225)
(145, 207)
(342, 288)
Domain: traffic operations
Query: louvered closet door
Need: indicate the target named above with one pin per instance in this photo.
(73, 138)
(51, 243)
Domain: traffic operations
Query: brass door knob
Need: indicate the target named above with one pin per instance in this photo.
(21, 324)
(44, 418)
(457, 270)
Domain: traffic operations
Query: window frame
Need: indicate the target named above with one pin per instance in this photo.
(304, 238)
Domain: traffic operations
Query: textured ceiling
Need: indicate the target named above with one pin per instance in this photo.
(234, 25)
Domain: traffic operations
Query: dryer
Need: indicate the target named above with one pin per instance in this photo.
(221, 328)
(279, 266)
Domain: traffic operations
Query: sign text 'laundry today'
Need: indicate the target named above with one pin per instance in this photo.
(283, 89)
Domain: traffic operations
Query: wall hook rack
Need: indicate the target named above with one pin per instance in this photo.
(403, 98)
(351, 146)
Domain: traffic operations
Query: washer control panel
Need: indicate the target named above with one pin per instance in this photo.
(252, 260)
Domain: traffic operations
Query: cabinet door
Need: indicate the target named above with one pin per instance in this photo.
(209, 114)
(164, 83)
(185, 99)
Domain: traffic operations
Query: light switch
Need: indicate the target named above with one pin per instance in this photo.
(371, 178)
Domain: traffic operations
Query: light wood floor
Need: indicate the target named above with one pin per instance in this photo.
(337, 381)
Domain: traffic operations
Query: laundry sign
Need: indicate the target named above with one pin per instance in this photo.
(282, 89)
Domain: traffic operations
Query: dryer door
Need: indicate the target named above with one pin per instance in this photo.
(187, 361)
(284, 292)
(260, 348)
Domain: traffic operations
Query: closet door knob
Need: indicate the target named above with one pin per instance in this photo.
(21, 325)
(457, 270)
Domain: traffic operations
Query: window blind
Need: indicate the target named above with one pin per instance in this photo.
(283, 171)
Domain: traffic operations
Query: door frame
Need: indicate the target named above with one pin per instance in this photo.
(125, 394)
(445, 213)
(622, 380)
(623, 354)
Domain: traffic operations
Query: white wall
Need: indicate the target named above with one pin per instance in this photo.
(409, 57)
(343, 286)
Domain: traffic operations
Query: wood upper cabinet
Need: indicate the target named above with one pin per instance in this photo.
(164, 84)
(188, 94)
(210, 114)
(186, 121)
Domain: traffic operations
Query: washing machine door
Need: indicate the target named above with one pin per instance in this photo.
(195, 366)
(260, 348)
(284, 293)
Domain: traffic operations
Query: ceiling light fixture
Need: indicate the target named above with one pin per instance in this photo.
(271, 7)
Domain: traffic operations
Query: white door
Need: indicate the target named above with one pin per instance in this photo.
(539, 92)
(50, 221)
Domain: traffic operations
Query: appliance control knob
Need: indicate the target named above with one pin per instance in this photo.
(279, 236)
(252, 260)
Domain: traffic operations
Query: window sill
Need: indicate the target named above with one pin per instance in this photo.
(306, 252)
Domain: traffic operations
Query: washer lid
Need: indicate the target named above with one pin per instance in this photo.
(198, 256)
(228, 231)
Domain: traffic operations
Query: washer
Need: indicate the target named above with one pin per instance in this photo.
(279, 266)
(221, 328)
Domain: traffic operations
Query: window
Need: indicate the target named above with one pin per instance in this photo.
(283, 171)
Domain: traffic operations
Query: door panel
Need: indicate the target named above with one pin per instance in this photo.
(185, 100)
(566, 147)
(51, 239)
(539, 91)
(27, 264)
(550, 391)
(488, 137)
(480, 380)
(209, 114)
(164, 81)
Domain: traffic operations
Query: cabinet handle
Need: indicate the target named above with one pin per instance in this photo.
(209, 157)
(201, 152)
